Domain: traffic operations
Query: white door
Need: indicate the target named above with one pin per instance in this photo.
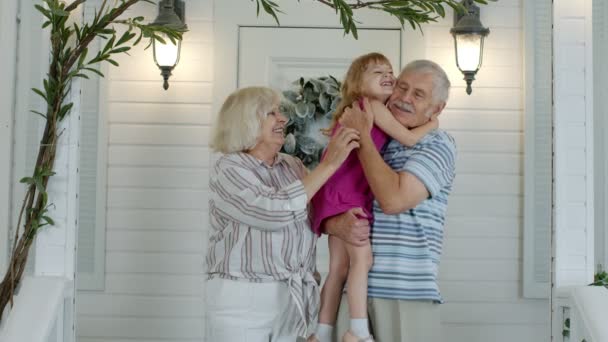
(278, 56)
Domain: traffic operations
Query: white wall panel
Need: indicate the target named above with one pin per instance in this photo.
(157, 176)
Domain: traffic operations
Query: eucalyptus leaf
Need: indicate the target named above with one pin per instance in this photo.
(335, 103)
(291, 95)
(317, 85)
(310, 94)
(333, 90)
(301, 109)
(290, 143)
(324, 101)
(310, 109)
(308, 145)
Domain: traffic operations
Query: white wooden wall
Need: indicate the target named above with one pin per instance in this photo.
(157, 192)
(55, 245)
(481, 269)
(53, 252)
(157, 175)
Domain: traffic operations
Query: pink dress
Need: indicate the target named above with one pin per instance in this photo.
(347, 188)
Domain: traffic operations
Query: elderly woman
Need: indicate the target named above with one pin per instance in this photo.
(261, 253)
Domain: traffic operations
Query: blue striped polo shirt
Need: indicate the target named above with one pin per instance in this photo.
(407, 246)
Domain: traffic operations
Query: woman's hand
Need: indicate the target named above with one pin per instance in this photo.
(340, 145)
(361, 119)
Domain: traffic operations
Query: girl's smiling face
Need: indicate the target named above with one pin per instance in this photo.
(378, 81)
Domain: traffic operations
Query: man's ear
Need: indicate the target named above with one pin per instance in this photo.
(439, 108)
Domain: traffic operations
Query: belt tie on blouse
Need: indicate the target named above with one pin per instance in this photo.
(302, 311)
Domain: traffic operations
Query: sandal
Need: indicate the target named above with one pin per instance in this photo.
(350, 337)
(312, 338)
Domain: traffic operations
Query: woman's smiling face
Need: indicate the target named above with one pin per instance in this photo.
(273, 128)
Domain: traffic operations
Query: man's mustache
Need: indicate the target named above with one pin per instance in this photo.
(404, 106)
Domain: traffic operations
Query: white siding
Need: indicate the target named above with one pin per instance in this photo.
(158, 164)
(538, 148)
(482, 265)
(55, 245)
(157, 175)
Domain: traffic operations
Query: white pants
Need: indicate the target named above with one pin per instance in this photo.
(245, 312)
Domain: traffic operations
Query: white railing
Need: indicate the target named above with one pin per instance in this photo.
(38, 314)
(588, 311)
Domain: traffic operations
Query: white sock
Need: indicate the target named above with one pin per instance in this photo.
(359, 327)
(324, 332)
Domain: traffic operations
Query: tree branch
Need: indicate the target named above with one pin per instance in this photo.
(363, 4)
(73, 5)
(326, 3)
(86, 40)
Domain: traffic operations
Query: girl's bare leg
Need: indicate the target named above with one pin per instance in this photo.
(331, 294)
(360, 263)
(332, 289)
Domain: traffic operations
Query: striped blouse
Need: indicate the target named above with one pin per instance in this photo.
(260, 229)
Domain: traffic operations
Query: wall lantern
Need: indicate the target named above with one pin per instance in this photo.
(468, 34)
(166, 56)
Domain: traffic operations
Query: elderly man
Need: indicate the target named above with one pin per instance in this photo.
(411, 187)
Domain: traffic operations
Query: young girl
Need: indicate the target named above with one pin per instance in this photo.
(371, 76)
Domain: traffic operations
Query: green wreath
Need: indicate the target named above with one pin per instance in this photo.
(309, 106)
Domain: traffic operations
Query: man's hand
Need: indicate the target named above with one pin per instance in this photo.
(351, 227)
(361, 119)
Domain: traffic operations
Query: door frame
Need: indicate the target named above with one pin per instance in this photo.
(8, 40)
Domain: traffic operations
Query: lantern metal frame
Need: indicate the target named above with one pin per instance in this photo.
(171, 14)
(469, 23)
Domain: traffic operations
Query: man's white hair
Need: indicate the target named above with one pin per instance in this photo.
(441, 82)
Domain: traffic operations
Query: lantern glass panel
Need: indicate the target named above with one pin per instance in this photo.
(468, 51)
(166, 55)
